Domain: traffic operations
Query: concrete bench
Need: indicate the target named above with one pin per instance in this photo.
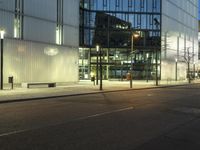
(28, 84)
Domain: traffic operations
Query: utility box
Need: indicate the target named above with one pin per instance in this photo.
(10, 80)
(93, 79)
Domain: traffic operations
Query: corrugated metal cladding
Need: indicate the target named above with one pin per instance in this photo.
(180, 35)
(37, 58)
(37, 62)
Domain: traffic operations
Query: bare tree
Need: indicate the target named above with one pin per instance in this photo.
(187, 58)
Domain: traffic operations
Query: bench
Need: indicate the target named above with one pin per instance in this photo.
(49, 84)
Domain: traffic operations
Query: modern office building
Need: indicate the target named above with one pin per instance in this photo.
(179, 37)
(55, 40)
(41, 40)
(167, 38)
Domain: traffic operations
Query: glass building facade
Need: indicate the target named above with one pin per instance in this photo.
(111, 24)
(43, 37)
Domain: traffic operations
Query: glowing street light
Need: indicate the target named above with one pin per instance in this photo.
(134, 35)
(101, 70)
(122, 70)
(147, 67)
(2, 33)
(97, 65)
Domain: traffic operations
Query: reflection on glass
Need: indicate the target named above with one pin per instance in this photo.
(110, 23)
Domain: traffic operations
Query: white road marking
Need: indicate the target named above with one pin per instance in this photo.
(13, 132)
(105, 113)
(149, 95)
(78, 119)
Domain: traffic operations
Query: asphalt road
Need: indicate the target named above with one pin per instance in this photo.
(153, 119)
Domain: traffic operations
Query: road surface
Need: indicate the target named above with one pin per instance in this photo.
(153, 119)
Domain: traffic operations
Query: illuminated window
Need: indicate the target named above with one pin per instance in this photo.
(16, 28)
(130, 3)
(59, 27)
(18, 20)
(59, 35)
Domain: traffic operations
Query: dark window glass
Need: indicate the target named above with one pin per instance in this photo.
(111, 22)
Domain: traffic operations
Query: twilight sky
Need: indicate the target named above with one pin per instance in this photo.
(199, 10)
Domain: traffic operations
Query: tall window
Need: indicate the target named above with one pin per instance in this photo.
(59, 26)
(19, 19)
(130, 3)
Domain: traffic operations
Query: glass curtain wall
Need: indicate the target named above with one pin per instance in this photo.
(112, 24)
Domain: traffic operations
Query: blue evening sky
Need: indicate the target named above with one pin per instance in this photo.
(199, 10)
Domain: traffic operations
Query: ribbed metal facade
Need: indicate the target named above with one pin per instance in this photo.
(33, 29)
(179, 38)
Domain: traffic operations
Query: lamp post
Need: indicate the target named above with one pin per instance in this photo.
(97, 65)
(100, 53)
(176, 61)
(147, 68)
(189, 78)
(2, 32)
(156, 67)
(134, 35)
(194, 69)
(131, 73)
(121, 70)
(157, 24)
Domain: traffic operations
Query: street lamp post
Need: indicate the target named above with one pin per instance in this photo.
(100, 87)
(189, 78)
(147, 68)
(97, 65)
(2, 32)
(136, 35)
(176, 60)
(157, 24)
(121, 70)
(131, 68)
(194, 69)
(131, 73)
(156, 67)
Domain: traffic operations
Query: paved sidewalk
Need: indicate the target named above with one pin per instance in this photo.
(81, 88)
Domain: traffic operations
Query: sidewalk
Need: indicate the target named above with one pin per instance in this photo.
(81, 88)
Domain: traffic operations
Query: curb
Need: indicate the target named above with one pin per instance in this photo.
(87, 93)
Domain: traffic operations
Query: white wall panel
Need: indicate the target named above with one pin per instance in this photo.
(7, 23)
(71, 21)
(180, 21)
(30, 62)
(7, 5)
(71, 12)
(39, 30)
(71, 36)
(41, 8)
